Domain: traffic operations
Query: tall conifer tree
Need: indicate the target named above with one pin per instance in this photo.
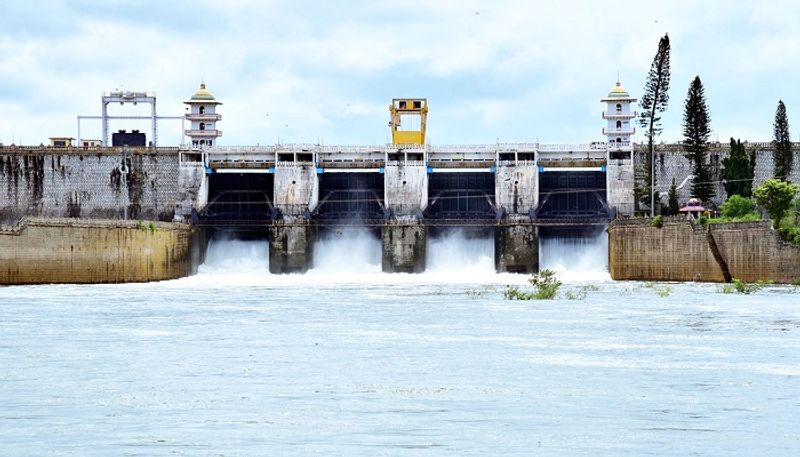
(782, 155)
(696, 131)
(738, 171)
(654, 102)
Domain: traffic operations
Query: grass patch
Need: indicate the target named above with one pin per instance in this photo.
(662, 290)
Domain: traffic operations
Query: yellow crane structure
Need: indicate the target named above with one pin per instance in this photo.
(408, 120)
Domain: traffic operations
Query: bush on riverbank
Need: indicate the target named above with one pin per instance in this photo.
(737, 286)
(545, 287)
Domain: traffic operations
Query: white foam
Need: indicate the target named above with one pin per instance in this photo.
(576, 259)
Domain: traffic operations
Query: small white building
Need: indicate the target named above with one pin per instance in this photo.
(61, 141)
(203, 117)
(91, 144)
(619, 117)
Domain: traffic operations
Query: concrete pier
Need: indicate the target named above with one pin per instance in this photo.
(516, 249)
(403, 247)
(291, 248)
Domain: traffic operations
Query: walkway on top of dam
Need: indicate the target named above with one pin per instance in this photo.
(332, 158)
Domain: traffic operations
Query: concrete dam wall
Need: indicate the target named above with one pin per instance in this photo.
(47, 251)
(685, 251)
(94, 184)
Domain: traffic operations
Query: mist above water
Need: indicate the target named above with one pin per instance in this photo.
(576, 258)
(354, 255)
(226, 255)
(458, 252)
(347, 251)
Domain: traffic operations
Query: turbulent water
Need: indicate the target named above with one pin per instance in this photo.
(348, 361)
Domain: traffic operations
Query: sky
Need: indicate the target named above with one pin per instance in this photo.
(324, 72)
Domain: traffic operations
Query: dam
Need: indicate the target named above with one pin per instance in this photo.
(518, 195)
(400, 193)
(408, 190)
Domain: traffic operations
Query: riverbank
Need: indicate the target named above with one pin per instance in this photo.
(50, 251)
(682, 250)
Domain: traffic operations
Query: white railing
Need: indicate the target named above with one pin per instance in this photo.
(242, 149)
(203, 132)
(571, 147)
(203, 117)
(616, 115)
(618, 131)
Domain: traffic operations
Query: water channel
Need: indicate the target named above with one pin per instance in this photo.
(348, 361)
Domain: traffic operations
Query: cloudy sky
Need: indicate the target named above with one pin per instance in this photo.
(308, 71)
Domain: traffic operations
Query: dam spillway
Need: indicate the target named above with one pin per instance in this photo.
(295, 194)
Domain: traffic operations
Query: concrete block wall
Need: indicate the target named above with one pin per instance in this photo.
(88, 184)
(517, 187)
(46, 251)
(406, 188)
(619, 186)
(670, 162)
(192, 190)
(296, 188)
(680, 251)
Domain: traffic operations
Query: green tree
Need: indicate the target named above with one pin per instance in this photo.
(673, 206)
(776, 197)
(654, 102)
(738, 171)
(696, 130)
(737, 206)
(782, 155)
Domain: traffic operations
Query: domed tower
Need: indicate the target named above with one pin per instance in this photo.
(619, 115)
(203, 117)
(619, 161)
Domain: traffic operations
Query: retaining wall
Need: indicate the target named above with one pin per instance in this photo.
(45, 251)
(681, 251)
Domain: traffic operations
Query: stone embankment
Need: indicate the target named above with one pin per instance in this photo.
(47, 251)
(682, 250)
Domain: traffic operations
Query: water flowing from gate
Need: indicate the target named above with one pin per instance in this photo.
(576, 259)
(354, 255)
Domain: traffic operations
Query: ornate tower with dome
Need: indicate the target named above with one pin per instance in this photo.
(619, 115)
(202, 115)
(619, 160)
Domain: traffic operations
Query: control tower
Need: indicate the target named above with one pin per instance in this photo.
(408, 120)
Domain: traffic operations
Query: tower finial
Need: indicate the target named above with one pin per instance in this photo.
(618, 83)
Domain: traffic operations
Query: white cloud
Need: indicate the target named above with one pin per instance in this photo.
(328, 70)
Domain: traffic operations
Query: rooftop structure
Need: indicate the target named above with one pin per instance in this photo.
(408, 120)
(123, 98)
(619, 116)
(202, 115)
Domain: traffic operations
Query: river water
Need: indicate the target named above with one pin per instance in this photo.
(348, 361)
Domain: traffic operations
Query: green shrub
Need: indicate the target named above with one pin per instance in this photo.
(776, 197)
(545, 287)
(546, 284)
(751, 217)
(737, 206)
(790, 232)
(658, 221)
(741, 287)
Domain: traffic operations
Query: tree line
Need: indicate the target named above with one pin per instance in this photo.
(738, 169)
